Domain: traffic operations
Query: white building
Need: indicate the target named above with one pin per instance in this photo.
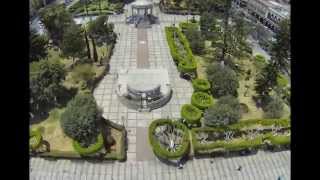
(268, 12)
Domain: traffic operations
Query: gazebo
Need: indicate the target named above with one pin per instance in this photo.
(142, 7)
(142, 13)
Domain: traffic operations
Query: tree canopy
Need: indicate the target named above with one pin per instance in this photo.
(45, 83)
(73, 45)
(56, 20)
(224, 112)
(38, 46)
(79, 120)
(223, 80)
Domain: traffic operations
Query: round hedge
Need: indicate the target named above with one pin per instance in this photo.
(92, 149)
(160, 151)
(201, 100)
(187, 66)
(35, 139)
(191, 114)
(201, 85)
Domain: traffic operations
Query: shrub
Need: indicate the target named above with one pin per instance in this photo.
(244, 108)
(35, 139)
(186, 66)
(164, 153)
(223, 80)
(195, 40)
(91, 149)
(83, 72)
(282, 81)
(184, 26)
(260, 61)
(201, 100)
(191, 114)
(79, 120)
(201, 85)
(274, 109)
(225, 111)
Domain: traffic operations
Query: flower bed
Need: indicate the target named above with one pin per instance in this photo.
(159, 149)
(201, 85)
(208, 140)
(191, 114)
(201, 100)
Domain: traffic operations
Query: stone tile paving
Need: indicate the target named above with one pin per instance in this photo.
(262, 166)
(125, 56)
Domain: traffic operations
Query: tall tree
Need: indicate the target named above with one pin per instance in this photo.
(73, 44)
(38, 46)
(227, 8)
(281, 47)
(56, 20)
(45, 83)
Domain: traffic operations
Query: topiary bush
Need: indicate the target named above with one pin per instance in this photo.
(191, 114)
(92, 149)
(201, 85)
(162, 152)
(186, 66)
(201, 100)
(79, 120)
(35, 139)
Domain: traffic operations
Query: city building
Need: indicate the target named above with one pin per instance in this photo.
(268, 12)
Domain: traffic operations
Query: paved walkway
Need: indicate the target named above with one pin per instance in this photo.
(127, 55)
(142, 54)
(263, 166)
(141, 163)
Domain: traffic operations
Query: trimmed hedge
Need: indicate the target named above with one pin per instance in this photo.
(285, 123)
(92, 149)
(201, 85)
(187, 25)
(35, 139)
(185, 64)
(191, 114)
(242, 143)
(201, 100)
(160, 151)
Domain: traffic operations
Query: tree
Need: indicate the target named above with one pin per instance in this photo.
(223, 80)
(102, 31)
(79, 120)
(227, 7)
(195, 39)
(274, 108)
(36, 4)
(45, 83)
(73, 44)
(265, 81)
(38, 46)
(224, 112)
(208, 26)
(56, 20)
(280, 49)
